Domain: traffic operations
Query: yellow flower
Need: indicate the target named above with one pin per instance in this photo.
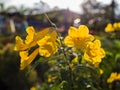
(32, 88)
(118, 76)
(24, 45)
(94, 52)
(20, 44)
(31, 38)
(101, 71)
(115, 26)
(48, 45)
(25, 59)
(78, 37)
(39, 35)
(113, 77)
(118, 26)
(75, 60)
(109, 28)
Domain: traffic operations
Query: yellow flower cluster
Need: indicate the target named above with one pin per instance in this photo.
(113, 77)
(44, 44)
(112, 27)
(79, 38)
(45, 39)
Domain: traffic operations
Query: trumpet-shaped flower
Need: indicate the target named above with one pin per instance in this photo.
(25, 59)
(39, 35)
(31, 38)
(94, 52)
(109, 28)
(114, 76)
(48, 45)
(24, 45)
(78, 37)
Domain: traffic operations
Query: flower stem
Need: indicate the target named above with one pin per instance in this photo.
(59, 36)
(63, 50)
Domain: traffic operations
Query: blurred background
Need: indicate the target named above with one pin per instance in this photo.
(16, 15)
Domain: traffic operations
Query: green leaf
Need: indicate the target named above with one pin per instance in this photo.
(117, 56)
(55, 87)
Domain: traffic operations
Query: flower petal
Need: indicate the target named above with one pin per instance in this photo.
(41, 34)
(72, 32)
(25, 59)
(69, 41)
(31, 32)
(109, 28)
(93, 53)
(83, 31)
(19, 44)
(47, 46)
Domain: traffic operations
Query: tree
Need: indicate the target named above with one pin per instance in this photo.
(41, 7)
(96, 15)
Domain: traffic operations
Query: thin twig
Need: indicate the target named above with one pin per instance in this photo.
(59, 35)
(63, 50)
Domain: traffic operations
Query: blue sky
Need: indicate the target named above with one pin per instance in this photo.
(73, 5)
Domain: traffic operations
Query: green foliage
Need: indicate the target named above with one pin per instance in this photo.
(61, 72)
(11, 78)
(83, 76)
